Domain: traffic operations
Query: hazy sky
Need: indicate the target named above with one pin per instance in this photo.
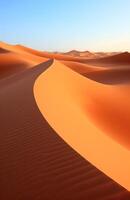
(61, 25)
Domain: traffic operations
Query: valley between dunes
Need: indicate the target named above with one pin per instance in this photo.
(65, 131)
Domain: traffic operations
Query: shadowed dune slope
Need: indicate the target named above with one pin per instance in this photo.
(81, 68)
(110, 76)
(11, 63)
(100, 112)
(35, 163)
(3, 50)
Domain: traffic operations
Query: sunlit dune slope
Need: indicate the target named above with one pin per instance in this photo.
(91, 117)
(13, 61)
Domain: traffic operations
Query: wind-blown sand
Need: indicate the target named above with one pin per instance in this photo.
(35, 163)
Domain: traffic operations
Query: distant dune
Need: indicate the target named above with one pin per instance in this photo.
(80, 53)
(64, 125)
(88, 54)
(120, 59)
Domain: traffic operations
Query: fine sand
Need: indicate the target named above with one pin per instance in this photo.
(59, 129)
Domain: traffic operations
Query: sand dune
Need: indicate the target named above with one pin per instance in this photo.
(80, 53)
(96, 57)
(36, 59)
(81, 67)
(35, 162)
(88, 54)
(11, 63)
(110, 75)
(3, 50)
(103, 74)
(120, 59)
(58, 56)
(12, 60)
(100, 113)
(47, 54)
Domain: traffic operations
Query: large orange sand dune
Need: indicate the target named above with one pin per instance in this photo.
(35, 162)
(100, 112)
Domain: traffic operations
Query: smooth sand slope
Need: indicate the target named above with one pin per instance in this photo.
(13, 60)
(11, 63)
(81, 68)
(35, 163)
(113, 74)
(100, 112)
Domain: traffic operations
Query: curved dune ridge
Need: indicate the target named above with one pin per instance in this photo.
(35, 161)
(92, 118)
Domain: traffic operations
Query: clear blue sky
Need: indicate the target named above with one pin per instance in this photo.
(96, 25)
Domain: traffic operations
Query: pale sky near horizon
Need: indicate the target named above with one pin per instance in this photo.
(63, 25)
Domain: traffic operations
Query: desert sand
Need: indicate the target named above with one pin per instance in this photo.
(78, 96)
(14, 60)
(64, 135)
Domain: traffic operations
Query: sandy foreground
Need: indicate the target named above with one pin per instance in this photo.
(64, 127)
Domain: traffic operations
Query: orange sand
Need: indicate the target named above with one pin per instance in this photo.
(13, 60)
(93, 118)
(89, 111)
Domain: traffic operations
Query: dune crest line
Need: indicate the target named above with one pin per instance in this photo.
(60, 96)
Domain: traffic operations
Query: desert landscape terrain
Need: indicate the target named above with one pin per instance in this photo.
(65, 124)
